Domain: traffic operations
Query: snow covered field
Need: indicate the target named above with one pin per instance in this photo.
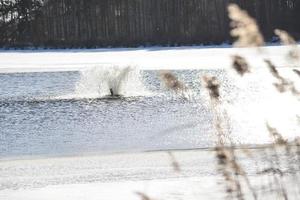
(144, 58)
(116, 176)
(124, 176)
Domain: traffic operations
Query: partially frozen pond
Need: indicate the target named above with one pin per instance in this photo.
(59, 128)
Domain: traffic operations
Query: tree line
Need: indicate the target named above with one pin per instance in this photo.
(102, 23)
(16, 18)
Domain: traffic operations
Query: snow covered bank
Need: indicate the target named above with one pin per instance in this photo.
(122, 176)
(146, 58)
(116, 176)
(184, 188)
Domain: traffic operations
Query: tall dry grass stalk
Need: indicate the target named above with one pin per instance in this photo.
(280, 152)
(212, 85)
(244, 28)
(223, 155)
(233, 174)
(248, 34)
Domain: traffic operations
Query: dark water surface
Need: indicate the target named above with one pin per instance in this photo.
(37, 118)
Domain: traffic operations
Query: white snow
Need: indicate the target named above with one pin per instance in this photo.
(184, 188)
(111, 177)
(145, 58)
(122, 176)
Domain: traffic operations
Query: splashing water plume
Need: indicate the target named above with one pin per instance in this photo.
(101, 81)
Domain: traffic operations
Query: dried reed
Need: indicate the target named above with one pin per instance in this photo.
(171, 81)
(247, 33)
(277, 137)
(143, 196)
(235, 177)
(244, 28)
(175, 164)
(297, 72)
(283, 85)
(287, 39)
(227, 162)
(240, 65)
(213, 87)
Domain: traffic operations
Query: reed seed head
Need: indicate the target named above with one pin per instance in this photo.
(297, 72)
(171, 81)
(240, 65)
(278, 139)
(213, 86)
(284, 37)
(244, 28)
(272, 69)
(287, 39)
(283, 85)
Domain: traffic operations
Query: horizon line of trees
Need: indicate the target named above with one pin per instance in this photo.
(16, 18)
(102, 23)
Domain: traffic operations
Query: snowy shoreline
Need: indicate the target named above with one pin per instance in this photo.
(123, 176)
(152, 58)
(112, 176)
